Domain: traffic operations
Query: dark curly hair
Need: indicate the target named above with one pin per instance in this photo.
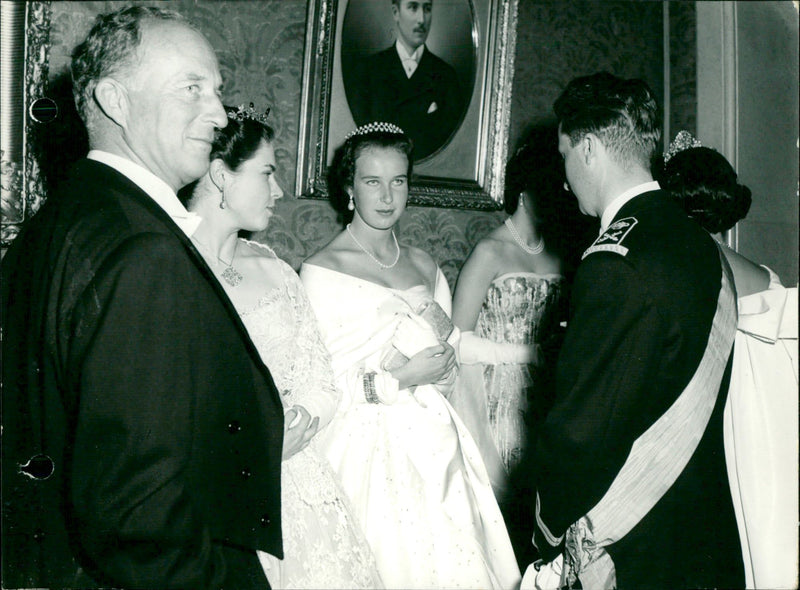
(343, 166)
(705, 185)
(239, 139)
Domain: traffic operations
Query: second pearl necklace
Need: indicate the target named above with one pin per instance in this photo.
(533, 250)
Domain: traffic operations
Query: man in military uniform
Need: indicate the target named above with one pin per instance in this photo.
(632, 490)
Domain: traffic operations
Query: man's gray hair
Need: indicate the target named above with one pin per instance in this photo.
(110, 48)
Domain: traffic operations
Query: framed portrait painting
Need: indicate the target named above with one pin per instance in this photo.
(442, 70)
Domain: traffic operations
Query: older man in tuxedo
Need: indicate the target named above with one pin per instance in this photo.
(631, 480)
(406, 84)
(142, 434)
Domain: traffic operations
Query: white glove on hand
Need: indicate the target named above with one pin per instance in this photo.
(547, 577)
(473, 350)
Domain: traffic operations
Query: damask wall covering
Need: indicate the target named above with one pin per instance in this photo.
(260, 49)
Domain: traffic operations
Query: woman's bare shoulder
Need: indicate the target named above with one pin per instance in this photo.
(331, 255)
(748, 276)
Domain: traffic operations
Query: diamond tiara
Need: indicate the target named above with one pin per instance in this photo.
(683, 141)
(241, 113)
(376, 126)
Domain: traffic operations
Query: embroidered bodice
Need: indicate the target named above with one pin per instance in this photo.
(520, 308)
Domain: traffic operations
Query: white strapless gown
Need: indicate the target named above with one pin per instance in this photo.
(410, 469)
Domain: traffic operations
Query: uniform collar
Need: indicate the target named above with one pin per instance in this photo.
(614, 206)
(156, 189)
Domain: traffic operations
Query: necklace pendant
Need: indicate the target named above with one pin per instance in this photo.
(232, 276)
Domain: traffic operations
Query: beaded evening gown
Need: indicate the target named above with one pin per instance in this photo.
(519, 308)
(323, 545)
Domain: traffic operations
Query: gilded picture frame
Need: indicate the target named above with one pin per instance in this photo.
(467, 171)
(26, 36)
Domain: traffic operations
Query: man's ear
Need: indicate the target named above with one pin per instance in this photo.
(112, 97)
(590, 147)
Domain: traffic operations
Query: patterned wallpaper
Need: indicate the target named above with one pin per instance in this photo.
(683, 67)
(260, 48)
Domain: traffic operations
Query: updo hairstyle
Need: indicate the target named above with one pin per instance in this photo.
(240, 139)
(706, 186)
(236, 143)
(343, 167)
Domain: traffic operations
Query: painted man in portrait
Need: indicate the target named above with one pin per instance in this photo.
(408, 85)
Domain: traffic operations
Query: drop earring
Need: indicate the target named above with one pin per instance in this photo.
(214, 170)
(351, 205)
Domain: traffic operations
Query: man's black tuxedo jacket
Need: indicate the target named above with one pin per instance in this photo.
(639, 324)
(428, 106)
(126, 364)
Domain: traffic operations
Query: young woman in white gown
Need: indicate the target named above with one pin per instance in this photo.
(322, 542)
(761, 414)
(408, 465)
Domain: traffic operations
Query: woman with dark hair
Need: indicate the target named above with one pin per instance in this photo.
(506, 305)
(405, 460)
(322, 542)
(707, 188)
(761, 414)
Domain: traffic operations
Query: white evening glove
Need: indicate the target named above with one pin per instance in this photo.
(547, 577)
(473, 350)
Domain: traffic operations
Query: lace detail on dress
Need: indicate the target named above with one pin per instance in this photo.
(520, 309)
(323, 545)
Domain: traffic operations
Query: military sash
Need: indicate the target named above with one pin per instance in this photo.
(656, 459)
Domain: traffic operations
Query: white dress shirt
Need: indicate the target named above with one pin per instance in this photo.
(614, 206)
(156, 189)
(410, 61)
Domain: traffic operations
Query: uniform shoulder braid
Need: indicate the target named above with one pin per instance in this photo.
(611, 240)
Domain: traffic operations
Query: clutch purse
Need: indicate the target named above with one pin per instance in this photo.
(442, 326)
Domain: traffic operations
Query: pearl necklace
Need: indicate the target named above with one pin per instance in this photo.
(368, 253)
(537, 249)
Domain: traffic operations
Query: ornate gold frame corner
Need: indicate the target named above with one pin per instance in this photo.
(25, 66)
